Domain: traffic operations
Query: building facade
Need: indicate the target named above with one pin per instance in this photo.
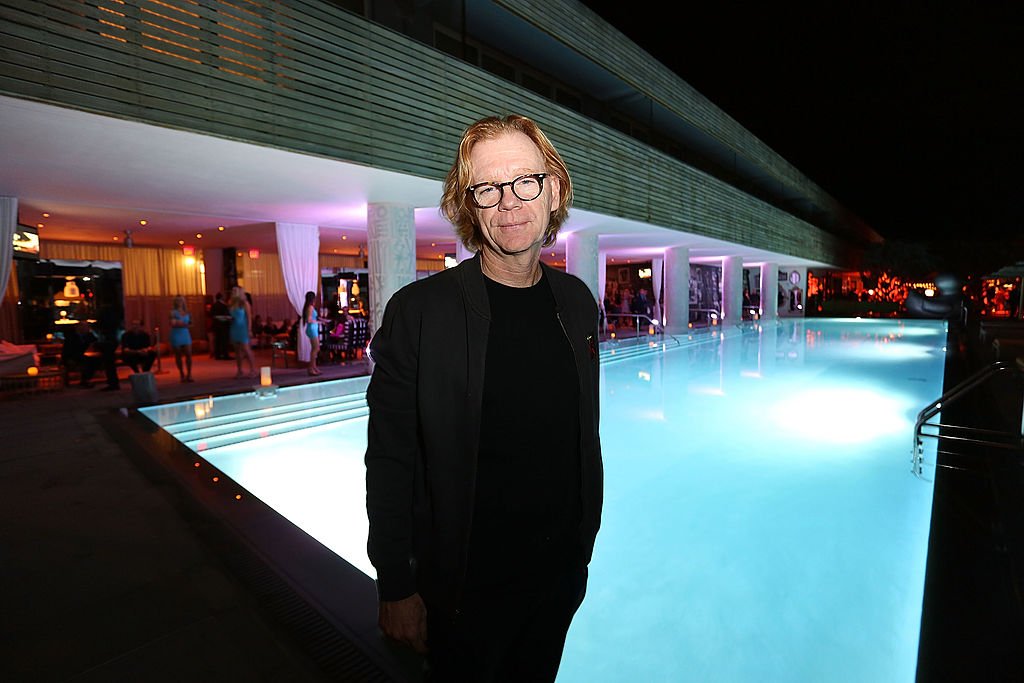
(383, 87)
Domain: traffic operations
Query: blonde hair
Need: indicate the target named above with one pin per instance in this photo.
(455, 203)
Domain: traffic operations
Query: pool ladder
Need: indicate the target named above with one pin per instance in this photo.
(969, 435)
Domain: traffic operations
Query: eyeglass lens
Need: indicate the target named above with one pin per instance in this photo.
(527, 188)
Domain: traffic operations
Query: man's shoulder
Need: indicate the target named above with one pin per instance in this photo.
(570, 285)
(429, 288)
(563, 277)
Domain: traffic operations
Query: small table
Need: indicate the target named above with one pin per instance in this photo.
(278, 347)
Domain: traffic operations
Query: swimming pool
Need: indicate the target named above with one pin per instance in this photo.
(761, 522)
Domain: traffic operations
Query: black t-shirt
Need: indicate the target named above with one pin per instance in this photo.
(527, 510)
(134, 341)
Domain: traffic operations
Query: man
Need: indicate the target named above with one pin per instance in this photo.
(641, 304)
(483, 467)
(108, 333)
(221, 323)
(137, 349)
(77, 342)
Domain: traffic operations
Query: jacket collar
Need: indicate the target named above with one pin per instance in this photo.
(473, 285)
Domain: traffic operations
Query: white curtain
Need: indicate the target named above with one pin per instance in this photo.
(8, 224)
(298, 247)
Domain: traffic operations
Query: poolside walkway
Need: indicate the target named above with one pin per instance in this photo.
(105, 576)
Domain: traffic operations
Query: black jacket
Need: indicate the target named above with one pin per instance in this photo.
(424, 428)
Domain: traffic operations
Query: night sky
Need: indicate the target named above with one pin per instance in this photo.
(909, 114)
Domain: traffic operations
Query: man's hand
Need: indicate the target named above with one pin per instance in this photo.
(405, 621)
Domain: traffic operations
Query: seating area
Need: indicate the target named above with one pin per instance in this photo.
(52, 368)
(340, 342)
(30, 368)
(346, 341)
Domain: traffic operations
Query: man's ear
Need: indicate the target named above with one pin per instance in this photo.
(556, 191)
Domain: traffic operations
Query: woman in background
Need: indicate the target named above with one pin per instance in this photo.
(181, 338)
(241, 314)
(312, 328)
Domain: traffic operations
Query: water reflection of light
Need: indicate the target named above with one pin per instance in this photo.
(325, 489)
(885, 351)
(840, 414)
(203, 408)
(707, 391)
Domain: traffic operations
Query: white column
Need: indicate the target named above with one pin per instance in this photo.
(462, 252)
(602, 278)
(8, 226)
(581, 259)
(732, 290)
(677, 289)
(298, 247)
(657, 263)
(769, 291)
(391, 252)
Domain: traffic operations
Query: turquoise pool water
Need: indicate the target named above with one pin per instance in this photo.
(762, 522)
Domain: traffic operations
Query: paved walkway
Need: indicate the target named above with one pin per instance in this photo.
(105, 575)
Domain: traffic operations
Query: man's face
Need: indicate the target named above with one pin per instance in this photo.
(513, 226)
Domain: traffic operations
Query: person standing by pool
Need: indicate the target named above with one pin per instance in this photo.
(181, 338)
(221, 326)
(241, 314)
(312, 328)
(483, 463)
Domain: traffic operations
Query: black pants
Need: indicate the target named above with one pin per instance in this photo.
(221, 344)
(107, 361)
(505, 635)
(138, 361)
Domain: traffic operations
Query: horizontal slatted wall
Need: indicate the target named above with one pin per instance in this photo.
(307, 76)
(585, 32)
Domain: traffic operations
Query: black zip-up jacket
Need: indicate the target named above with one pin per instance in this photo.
(424, 428)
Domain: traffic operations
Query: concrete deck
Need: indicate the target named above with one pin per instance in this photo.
(107, 574)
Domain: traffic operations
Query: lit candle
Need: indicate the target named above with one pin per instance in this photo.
(265, 376)
(33, 371)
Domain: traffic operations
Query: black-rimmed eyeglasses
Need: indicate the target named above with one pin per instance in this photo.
(526, 187)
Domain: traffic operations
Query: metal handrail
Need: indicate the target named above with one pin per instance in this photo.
(1016, 441)
(709, 313)
(649, 322)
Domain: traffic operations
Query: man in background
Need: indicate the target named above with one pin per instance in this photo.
(137, 349)
(221, 325)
